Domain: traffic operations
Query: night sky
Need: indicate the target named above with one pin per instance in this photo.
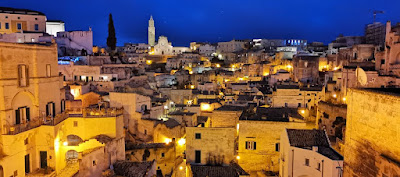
(184, 21)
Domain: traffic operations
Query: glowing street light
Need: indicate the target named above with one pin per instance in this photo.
(182, 141)
(167, 140)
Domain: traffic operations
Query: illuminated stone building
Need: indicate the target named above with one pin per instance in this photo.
(387, 61)
(38, 136)
(259, 137)
(21, 20)
(151, 33)
(372, 146)
(308, 153)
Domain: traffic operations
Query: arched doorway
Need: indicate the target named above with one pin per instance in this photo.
(71, 156)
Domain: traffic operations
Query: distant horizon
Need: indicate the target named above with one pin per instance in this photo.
(217, 21)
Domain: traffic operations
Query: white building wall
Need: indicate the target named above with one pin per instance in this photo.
(53, 28)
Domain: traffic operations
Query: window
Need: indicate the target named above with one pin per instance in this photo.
(48, 70)
(7, 26)
(23, 77)
(26, 141)
(382, 61)
(51, 109)
(36, 27)
(22, 114)
(277, 147)
(19, 26)
(0, 25)
(197, 158)
(94, 163)
(298, 104)
(251, 145)
(307, 162)
(75, 123)
(286, 104)
(319, 166)
(62, 105)
(19, 18)
(35, 18)
(145, 132)
(162, 154)
(198, 135)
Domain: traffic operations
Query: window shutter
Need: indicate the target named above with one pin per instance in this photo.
(17, 117)
(47, 110)
(27, 75)
(28, 114)
(19, 75)
(254, 145)
(54, 110)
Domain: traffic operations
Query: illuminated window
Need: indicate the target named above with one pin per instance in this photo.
(251, 145)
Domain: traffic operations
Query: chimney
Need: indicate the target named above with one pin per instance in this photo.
(315, 148)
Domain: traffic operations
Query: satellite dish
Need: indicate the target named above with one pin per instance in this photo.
(361, 76)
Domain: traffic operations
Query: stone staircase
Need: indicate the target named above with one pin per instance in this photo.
(70, 170)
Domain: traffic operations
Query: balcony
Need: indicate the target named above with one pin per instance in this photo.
(15, 129)
(86, 113)
(103, 112)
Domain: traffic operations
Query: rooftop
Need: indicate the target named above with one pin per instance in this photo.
(271, 114)
(132, 146)
(231, 108)
(232, 170)
(386, 91)
(307, 139)
(132, 169)
(10, 10)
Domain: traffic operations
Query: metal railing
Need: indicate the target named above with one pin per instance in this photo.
(48, 120)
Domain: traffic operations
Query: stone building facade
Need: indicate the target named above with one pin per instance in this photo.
(372, 146)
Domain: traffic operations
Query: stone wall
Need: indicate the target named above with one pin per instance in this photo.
(372, 146)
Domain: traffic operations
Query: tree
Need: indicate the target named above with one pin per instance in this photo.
(111, 39)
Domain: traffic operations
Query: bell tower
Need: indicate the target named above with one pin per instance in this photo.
(151, 32)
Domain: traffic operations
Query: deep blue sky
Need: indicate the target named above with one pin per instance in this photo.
(183, 21)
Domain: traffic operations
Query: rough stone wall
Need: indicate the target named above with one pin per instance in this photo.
(225, 118)
(215, 144)
(266, 134)
(372, 146)
(327, 114)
